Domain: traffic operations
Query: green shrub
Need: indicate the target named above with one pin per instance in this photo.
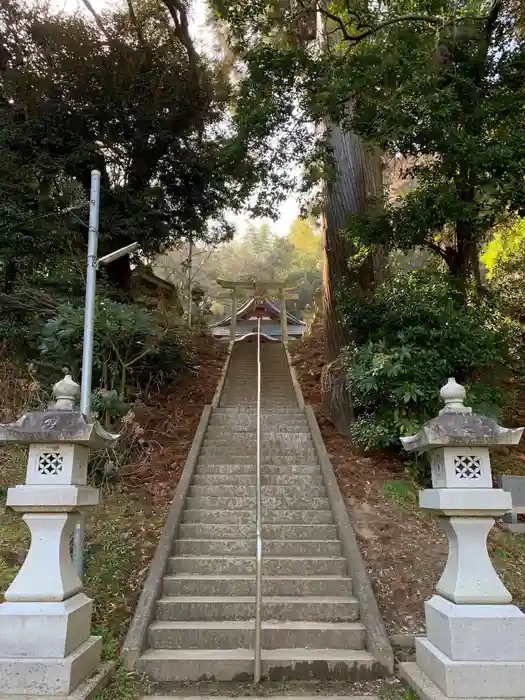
(417, 331)
(134, 352)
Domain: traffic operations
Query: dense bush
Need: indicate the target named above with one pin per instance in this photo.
(134, 351)
(417, 331)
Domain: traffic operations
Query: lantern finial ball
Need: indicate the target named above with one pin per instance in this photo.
(453, 395)
(66, 392)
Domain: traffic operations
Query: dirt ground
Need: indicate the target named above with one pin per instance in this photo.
(403, 547)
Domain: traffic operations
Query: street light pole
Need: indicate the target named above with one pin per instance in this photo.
(91, 281)
(190, 265)
(87, 349)
(89, 324)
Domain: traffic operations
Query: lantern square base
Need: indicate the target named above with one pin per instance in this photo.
(50, 676)
(424, 688)
(476, 632)
(470, 679)
(44, 630)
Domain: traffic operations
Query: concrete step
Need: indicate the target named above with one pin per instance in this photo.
(301, 441)
(246, 420)
(247, 412)
(169, 665)
(196, 585)
(300, 480)
(303, 489)
(302, 454)
(272, 566)
(277, 390)
(270, 532)
(286, 516)
(245, 416)
(224, 517)
(244, 456)
(293, 501)
(314, 609)
(273, 469)
(233, 428)
(173, 665)
(269, 375)
(228, 411)
(247, 376)
(250, 398)
(318, 664)
(254, 697)
(245, 423)
(266, 459)
(246, 548)
(239, 634)
(271, 437)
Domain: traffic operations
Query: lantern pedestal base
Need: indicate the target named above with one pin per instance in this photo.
(426, 689)
(476, 632)
(44, 630)
(87, 690)
(470, 679)
(50, 676)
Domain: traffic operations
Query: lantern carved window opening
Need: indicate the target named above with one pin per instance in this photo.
(467, 467)
(50, 463)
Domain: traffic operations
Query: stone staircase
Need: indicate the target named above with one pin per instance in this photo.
(204, 626)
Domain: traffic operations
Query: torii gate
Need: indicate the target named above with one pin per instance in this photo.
(262, 290)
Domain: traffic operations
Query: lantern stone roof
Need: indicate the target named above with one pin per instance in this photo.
(457, 425)
(56, 426)
(61, 422)
(461, 429)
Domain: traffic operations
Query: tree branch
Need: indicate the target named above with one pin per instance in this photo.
(437, 249)
(428, 19)
(179, 16)
(338, 21)
(135, 23)
(493, 18)
(97, 18)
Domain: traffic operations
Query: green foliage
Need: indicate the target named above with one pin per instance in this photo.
(133, 352)
(408, 339)
(441, 86)
(131, 98)
(505, 245)
(507, 276)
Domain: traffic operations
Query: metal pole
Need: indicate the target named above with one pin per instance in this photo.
(258, 516)
(233, 324)
(87, 352)
(190, 263)
(91, 281)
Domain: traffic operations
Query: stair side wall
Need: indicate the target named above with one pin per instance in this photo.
(378, 642)
(137, 636)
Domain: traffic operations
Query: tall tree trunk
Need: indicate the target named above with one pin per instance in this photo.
(358, 177)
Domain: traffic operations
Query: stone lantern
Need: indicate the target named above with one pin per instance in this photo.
(475, 644)
(45, 643)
